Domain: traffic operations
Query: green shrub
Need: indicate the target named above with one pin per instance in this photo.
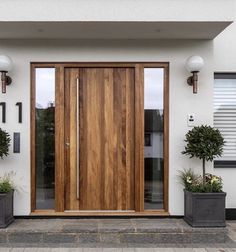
(6, 183)
(4, 143)
(204, 142)
(194, 183)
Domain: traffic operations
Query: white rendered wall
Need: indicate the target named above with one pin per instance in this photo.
(225, 49)
(182, 100)
(225, 61)
(156, 148)
(116, 10)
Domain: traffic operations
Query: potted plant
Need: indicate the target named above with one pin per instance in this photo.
(204, 204)
(4, 143)
(6, 185)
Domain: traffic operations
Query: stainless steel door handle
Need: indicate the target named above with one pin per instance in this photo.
(77, 125)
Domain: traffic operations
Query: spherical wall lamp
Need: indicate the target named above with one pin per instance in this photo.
(194, 64)
(5, 66)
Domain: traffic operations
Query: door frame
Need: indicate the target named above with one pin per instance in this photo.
(139, 141)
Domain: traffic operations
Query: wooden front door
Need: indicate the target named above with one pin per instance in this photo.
(99, 136)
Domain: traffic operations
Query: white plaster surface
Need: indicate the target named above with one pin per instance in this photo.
(116, 10)
(225, 49)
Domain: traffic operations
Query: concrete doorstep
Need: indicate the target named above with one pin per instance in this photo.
(112, 233)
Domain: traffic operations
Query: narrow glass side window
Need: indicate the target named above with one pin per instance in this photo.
(45, 138)
(154, 134)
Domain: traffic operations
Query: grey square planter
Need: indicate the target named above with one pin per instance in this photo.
(204, 209)
(6, 209)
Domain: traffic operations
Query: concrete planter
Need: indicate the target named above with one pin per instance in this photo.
(204, 209)
(6, 209)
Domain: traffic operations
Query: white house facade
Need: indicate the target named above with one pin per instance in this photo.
(92, 79)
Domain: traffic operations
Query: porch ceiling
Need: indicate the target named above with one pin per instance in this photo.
(111, 30)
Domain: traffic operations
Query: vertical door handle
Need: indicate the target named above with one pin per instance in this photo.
(78, 136)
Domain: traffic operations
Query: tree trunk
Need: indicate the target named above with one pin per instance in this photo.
(204, 171)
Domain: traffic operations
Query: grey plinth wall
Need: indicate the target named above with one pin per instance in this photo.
(204, 209)
(6, 209)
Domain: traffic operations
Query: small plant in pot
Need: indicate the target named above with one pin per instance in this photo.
(204, 204)
(6, 185)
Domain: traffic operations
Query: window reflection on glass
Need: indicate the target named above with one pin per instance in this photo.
(153, 149)
(148, 139)
(45, 138)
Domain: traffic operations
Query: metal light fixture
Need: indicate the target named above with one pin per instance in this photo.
(194, 64)
(5, 66)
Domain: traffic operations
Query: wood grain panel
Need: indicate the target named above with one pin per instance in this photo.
(117, 133)
(85, 214)
(71, 148)
(83, 137)
(59, 140)
(67, 138)
(130, 139)
(33, 137)
(109, 145)
(93, 137)
(106, 139)
(139, 138)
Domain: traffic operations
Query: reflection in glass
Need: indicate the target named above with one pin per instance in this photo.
(45, 138)
(153, 149)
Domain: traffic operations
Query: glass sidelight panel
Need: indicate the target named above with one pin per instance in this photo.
(45, 138)
(153, 141)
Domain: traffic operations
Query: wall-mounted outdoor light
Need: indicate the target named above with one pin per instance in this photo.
(5, 66)
(194, 64)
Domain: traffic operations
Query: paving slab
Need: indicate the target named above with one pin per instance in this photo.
(116, 250)
(113, 233)
(35, 225)
(5, 249)
(163, 250)
(43, 249)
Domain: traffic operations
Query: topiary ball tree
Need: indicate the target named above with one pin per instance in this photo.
(204, 142)
(4, 143)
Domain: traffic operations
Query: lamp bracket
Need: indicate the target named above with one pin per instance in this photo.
(192, 81)
(8, 80)
(192, 78)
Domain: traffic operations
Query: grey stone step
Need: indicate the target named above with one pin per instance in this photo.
(117, 232)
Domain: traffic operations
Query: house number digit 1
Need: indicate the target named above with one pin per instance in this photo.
(3, 104)
(19, 104)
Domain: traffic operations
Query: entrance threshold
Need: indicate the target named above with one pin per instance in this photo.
(99, 213)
